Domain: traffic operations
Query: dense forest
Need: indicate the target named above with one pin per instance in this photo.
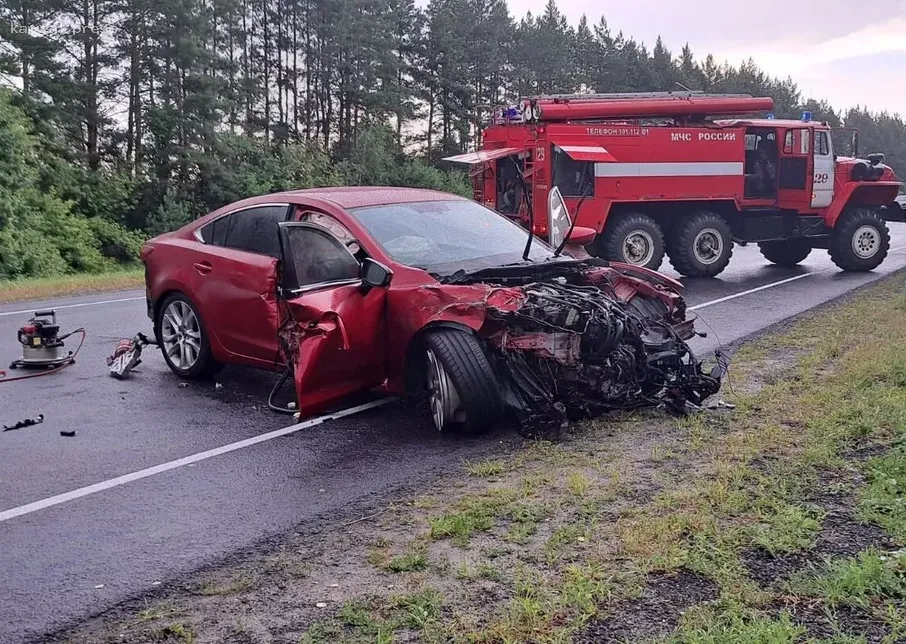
(124, 118)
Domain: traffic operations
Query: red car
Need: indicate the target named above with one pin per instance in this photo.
(418, 292)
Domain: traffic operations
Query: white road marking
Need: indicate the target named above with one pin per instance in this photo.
(727, 298)
(6, 515)
(71, 306)
(750, 291)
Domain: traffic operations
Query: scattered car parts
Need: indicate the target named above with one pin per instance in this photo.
(127, 355)
(28, 422)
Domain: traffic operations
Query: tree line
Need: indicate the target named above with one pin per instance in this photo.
(125, 118)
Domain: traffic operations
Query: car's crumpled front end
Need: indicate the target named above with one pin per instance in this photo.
(591, 340)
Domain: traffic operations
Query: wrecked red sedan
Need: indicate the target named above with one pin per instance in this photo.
(424, 294)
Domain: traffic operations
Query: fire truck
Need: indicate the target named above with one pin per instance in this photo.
(687, 175)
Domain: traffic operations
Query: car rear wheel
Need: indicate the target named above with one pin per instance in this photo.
(632, 238)
(859, 241)
(701, 245)
(787, 252)
(463, 392)
(182, 339)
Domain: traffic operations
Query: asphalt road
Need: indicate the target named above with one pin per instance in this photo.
(88, 551)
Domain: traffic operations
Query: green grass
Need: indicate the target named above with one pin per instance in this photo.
(360, 621)
(408, 562)
(883, 500)
(869, 578)
(470, 516)
(39, 288)
(737, 627)
(485, 469)
(786, 528)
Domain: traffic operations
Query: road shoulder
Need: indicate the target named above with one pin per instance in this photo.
(46, 288)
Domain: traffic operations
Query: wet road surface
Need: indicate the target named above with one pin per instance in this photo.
(155, 528)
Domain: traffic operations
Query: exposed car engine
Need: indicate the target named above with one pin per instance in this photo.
(578, 350)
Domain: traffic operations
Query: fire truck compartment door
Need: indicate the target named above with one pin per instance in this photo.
(594, 153)
(482, 156)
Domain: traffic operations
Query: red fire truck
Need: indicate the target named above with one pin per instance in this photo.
(686, 174)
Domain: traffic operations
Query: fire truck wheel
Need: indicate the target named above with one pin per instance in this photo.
(787, 252)
(463, 391)
(859, 241)
(633, 238)
(701, 245)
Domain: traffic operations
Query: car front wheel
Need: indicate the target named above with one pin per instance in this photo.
(463, 392)
(183, 340)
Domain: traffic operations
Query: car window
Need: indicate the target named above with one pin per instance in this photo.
(316, 256)
(255, 230)
(330, 223)
(215, 232)
(822, 147)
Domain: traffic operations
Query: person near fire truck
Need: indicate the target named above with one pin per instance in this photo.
(763, 180)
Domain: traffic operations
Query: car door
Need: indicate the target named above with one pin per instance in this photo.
(233, 283)
(336, 328)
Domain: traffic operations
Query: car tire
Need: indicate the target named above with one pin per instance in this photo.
(787, 252)
(859, 241)
(188, 355)
(463, 391)
(632, 238)
(700, 245)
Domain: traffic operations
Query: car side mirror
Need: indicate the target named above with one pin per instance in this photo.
(375, 274)
(582, 236)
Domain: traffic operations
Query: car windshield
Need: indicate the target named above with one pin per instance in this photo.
(443, 237)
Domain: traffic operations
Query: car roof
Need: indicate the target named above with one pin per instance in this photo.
(362, 196)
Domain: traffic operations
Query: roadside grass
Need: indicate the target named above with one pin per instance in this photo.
(779, 521)
(752, 488)
(40, 288)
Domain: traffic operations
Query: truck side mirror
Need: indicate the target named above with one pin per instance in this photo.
(558, 221)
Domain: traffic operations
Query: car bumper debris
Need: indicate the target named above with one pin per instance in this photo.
(596, 341)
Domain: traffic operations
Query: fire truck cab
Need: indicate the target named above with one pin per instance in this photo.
(657, 174)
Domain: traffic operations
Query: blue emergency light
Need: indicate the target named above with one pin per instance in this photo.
(770, 116)
(806, 116)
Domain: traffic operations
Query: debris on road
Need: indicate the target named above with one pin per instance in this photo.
(28, 422)
(67, 433)
(218, 386)
(127, 355)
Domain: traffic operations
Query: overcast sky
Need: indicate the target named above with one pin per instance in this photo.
(847, 51)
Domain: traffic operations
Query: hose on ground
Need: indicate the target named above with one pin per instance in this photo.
(276, 388)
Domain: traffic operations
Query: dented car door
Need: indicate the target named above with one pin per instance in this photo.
(333, 329)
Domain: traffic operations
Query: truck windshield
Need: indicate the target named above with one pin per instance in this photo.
(443, 237)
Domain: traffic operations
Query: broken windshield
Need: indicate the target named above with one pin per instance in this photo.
(443, 237)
